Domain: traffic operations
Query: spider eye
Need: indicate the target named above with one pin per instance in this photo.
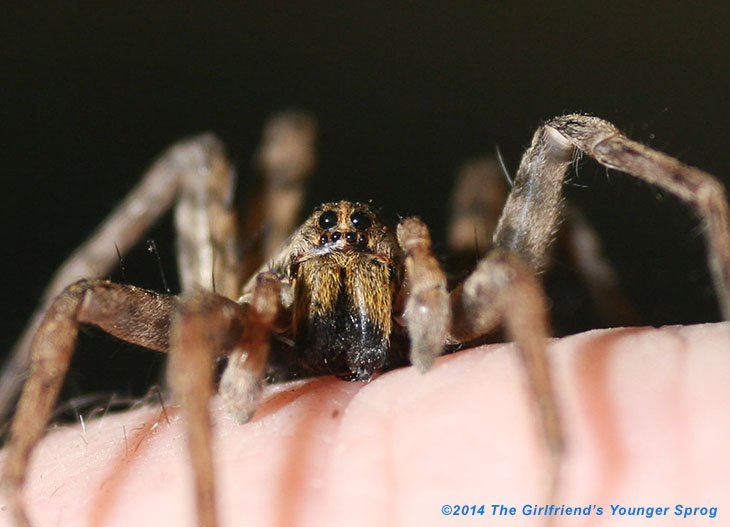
(360, 220)
(328, 219)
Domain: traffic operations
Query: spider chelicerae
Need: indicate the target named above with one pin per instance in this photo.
(343, 295)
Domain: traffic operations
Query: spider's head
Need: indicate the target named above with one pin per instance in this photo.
(348, 226)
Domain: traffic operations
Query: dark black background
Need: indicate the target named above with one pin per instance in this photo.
(403, 93)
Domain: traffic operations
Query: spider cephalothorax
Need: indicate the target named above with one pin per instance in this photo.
(326, 299)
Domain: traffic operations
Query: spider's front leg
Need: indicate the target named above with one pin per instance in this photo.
(530, 216)
(205, 326)
(195, 330)
(503, 289)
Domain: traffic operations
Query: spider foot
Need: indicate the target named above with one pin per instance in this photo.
(240, 388)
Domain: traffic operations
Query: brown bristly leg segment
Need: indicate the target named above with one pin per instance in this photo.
(284, 162)
(206, 326)
(504, 289)
(96, 257)
(206, 221)
(530, 217)
(427, 309)
(144, 321)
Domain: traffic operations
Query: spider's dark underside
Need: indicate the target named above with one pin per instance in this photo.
(343, 294)
(343, 339)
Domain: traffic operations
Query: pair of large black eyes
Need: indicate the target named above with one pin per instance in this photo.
(360, 220)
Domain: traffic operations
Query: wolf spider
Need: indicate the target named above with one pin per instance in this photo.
(343, 295)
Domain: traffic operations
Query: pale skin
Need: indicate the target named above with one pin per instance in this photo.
(645, 422)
